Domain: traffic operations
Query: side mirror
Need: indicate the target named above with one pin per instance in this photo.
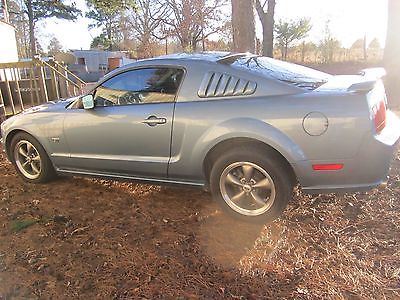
(88, 101)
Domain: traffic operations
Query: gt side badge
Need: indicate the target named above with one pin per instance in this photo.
(55, 139)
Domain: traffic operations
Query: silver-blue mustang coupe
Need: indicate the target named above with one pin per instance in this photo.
(247, 127)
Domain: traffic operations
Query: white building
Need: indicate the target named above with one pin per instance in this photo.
(8, 48)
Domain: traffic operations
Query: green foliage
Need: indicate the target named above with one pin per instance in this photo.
(19, 21)
(42, 9)
(26, 13)
(19, 225)
(375, 44)
(288, 32)
(358, 44)
(107, 15)
(307, 47)
(101, 42)
(329, 45)
(54, 46)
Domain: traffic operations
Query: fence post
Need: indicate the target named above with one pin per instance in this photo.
(2, 106)
(53, 75)
(33, 75)
(42, 80)
(30, 85)
(16, 77)
(9, 91)
(64, 88)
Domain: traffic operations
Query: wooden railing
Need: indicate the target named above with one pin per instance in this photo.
(28, 83)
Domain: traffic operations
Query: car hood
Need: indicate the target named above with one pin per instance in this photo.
(51, 106)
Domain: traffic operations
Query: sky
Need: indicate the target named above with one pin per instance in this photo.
(348, 21)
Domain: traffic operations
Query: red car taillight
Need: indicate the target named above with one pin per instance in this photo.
(379, 116)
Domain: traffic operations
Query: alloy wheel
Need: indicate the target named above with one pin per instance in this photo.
(247, 188)
(27, 159)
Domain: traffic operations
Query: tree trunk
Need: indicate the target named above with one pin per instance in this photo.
(31, 23)
(193, 45)
(392, 50)
(109, 35)
(267, 22)
(286, 50)
(185, 44)
(244, 33)
(365, 48)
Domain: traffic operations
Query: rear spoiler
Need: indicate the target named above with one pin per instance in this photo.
(370, 76)
(376, 73)
(232, 57)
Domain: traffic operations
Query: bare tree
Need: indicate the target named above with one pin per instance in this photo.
(329, 45)
(267, 22)
(146, 23)
(54, 47)
(192, 21)
(20, 22)
(244, 33)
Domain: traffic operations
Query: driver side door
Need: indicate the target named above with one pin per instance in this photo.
(128, 132)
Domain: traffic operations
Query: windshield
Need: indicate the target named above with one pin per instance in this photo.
(290, 73)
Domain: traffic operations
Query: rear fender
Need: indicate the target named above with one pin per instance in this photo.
(253, 129)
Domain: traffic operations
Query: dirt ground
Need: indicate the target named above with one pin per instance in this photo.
(82, 238)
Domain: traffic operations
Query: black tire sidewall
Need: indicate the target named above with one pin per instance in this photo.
(47, 169)
(272, 164)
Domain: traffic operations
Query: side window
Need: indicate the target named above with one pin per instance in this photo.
(150, 85)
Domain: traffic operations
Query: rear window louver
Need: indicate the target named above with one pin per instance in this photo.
(220, 85)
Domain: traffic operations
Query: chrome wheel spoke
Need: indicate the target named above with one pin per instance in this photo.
(264, 183)
(237, 197)
(247, 188)
(247, 171)
(27, 159)
(30, 148)
(23, 152)
(233, 180)
(36, 158)
(257, 198)
(35, 168)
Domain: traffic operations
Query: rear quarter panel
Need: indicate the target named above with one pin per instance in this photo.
(275, 120)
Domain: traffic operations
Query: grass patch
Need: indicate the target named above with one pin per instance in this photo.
(18, 225)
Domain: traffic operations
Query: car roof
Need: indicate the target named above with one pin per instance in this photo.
(207, 57)
(211, 56)
(199, 64)
(204, 57)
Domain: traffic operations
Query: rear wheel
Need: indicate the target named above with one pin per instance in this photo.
(30, 159)
(251, 184)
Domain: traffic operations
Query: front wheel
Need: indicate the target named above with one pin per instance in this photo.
(251, 184)
(30, 159)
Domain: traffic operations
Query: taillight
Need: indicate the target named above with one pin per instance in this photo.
(379, 116)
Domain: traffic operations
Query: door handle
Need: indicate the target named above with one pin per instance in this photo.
(153, 121)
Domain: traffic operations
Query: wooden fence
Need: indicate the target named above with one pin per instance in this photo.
(28, 83)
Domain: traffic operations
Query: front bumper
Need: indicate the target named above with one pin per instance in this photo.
(368, 169)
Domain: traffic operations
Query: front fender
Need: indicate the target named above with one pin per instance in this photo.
(41, 126)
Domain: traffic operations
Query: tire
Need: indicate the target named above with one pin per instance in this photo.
(260, 177)
(30, 159)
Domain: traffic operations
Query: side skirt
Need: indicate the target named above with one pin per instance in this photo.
(145, 180)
